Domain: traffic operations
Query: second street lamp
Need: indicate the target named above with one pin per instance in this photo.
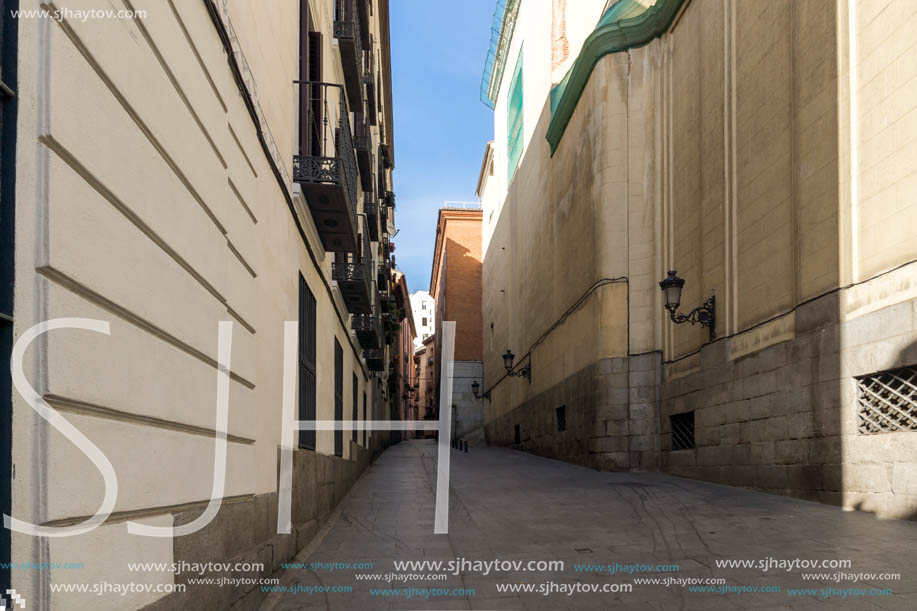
(703, 315)
(524, 372)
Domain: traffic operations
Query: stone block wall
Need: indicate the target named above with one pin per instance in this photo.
(245, 531)
(610, 417)
(783, 419)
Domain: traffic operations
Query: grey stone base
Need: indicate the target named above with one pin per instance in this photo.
(610, 409)
(246, 532)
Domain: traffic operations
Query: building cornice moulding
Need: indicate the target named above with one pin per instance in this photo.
(611, 36)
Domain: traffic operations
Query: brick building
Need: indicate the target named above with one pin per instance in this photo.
(455, 285)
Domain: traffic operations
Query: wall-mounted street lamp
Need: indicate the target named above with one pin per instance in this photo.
(704, 315)
(525, 372)
(475, 387)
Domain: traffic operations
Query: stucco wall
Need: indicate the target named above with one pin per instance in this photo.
(145, 199)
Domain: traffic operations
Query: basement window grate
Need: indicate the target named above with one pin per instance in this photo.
(887, 401)
(561, 413)
(682, 431)
(517, 434)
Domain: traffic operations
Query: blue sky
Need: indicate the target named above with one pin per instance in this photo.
(441, 126)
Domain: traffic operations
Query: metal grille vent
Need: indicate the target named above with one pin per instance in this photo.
(682, 431)
(887, 401)
(561, 413)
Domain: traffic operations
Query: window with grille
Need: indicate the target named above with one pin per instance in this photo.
(514, 120)
(682, 431)
(306, 362)
(887, 401)
(561, 413)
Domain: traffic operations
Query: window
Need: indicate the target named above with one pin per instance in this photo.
(561, 414)
(514, 120)
(364, 418)
(423, 321)
(682, 431)
(338, 397)
(356, 406)
(887, 401)
(306, 362)
(517, 435)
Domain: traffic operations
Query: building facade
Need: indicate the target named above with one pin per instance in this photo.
(423, 307)
(197, 163)
(402, 375)
(426, 383)
(455, 284)
(764, 152)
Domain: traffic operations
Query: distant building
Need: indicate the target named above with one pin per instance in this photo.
(422, 306)
(455, 285)
(425, 367)
(401, 374)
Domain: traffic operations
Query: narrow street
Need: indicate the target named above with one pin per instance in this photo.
(509, 505)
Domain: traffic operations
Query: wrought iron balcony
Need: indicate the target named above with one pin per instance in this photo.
(368, 329)
(348, 34)
(354, 279)
(375, 359)
(362, 142)
(385, 272)
(371, 209)
(369, 81)
(326, 167)
(363, 6)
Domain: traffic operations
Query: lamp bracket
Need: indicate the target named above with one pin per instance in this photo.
(703, 315)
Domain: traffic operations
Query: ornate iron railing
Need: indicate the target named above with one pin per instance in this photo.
(328, 152)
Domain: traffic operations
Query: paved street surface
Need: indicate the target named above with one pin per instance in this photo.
(510, 505)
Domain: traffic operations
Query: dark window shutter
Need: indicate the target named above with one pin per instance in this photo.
(356, 405)
(307, 309)
(338, 397)
(315, 93)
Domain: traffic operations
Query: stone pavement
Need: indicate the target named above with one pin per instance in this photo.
(510, 505)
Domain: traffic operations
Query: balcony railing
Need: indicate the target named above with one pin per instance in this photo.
(362, 142)
(368, 327)
(369, 81)
(375, 359)
(363, 6)
(347, 32)
(354, 279)
(384, 272)
(326, 167)
(371, 209)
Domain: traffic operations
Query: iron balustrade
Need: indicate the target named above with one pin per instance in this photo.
(354, 278)
(327, 168)
(348, 34)
(375, 358)
(371, 209)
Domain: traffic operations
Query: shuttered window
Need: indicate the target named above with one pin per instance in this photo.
(356, 406)
(306, 362)
(338, 397)
(514, 120)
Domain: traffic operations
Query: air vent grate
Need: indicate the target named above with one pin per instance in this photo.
(682, 431)
(887, 401)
